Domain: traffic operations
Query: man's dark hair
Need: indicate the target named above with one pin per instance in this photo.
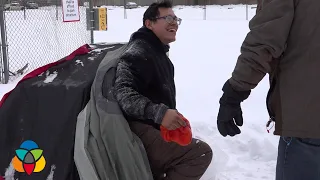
(153, 10)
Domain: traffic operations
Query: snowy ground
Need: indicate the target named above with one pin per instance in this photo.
(204, 56)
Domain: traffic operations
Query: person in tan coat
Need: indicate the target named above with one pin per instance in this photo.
(284, 42)
(259, 2)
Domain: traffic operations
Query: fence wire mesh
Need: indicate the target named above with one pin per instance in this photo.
(36, 34)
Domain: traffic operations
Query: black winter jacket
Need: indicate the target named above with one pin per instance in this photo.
(144, 84)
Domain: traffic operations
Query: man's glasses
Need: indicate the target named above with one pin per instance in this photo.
(171, 19)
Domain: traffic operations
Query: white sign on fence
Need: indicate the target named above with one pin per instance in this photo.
(70, 10)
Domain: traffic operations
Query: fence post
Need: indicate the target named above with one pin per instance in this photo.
(205, 12)
(4, 45)
(92, 23)
(124, 9)
(247, 10)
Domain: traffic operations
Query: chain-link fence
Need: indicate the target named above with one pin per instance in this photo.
(36, 34)
(175, 2)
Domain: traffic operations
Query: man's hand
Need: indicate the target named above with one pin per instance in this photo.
(172, 120)
(229, 118)
(230, 113)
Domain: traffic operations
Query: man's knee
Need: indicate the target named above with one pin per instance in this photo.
(205, 152)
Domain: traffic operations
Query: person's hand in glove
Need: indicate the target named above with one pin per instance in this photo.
(230, 113)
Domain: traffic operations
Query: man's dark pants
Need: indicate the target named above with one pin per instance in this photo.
(170, 161)
(298, 159)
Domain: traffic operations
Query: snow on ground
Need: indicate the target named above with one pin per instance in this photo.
(204, 56)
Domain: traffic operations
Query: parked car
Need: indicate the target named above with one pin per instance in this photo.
(13, 6)
(32, 5)
(131, 5)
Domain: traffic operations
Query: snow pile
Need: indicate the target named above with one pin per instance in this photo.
(9, 174)
(79, 62)
(50, 77)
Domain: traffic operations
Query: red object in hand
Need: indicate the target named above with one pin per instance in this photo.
(181, 136)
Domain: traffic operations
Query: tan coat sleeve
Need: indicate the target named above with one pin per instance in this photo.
(266, 41)
(259, 4)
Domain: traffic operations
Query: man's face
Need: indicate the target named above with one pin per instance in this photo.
(166, 26)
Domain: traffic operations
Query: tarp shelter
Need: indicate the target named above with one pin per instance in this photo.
(44, 107)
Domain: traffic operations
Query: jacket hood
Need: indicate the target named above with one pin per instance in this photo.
(147, 35)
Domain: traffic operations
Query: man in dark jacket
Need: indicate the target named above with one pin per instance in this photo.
(145, 90)
(284, 42)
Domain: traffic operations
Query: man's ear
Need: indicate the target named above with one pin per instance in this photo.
(148, 24)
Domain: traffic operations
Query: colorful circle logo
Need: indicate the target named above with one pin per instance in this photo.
(29, 158)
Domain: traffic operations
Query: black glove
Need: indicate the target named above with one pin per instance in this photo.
(230, 113)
